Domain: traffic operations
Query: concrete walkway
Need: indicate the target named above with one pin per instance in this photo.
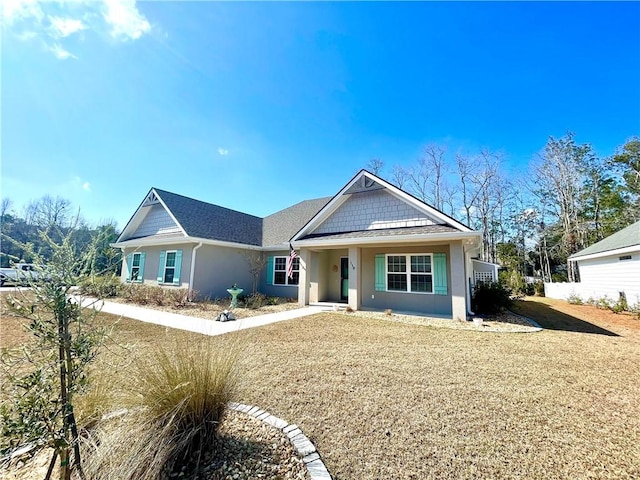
(194, 324)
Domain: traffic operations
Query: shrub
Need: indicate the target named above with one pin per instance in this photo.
(490, 298)
(180, 297)
(101, 286)
(176, 405)
(151, 294)
(574, 299)
(256, 300)
(538, 288)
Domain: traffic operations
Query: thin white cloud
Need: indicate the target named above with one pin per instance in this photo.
(16, 11)
(223, 151)
(63, 27)
(80, 183)
(60, 52)
(125, 19)
(55, 22)
(26, 35)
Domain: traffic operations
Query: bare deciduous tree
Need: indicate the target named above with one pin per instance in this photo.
(257, 262)
(560, 175)
(375, 166)
(399, 176)
(48, 211)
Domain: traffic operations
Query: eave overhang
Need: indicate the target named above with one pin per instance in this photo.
(607, 253)
(158, 241)
(469, 238)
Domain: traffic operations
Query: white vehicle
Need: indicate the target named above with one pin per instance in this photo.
(19, 274)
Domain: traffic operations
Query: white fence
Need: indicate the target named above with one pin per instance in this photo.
(563, 291)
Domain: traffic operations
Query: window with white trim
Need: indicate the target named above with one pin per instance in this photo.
(135, 267)
(409, 273)
(280, 276)
(169, 266)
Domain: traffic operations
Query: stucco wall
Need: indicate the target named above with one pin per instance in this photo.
(373, 210)
(218, 268)
(400, 301)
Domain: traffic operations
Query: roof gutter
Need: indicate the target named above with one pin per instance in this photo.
(155, 241)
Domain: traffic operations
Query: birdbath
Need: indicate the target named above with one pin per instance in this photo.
(234, 292)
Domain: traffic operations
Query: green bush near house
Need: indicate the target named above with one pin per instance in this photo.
(490, 298)
(538, 288)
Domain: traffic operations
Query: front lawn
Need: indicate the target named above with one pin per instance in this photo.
(382, 399)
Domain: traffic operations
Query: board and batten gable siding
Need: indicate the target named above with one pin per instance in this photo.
(372, 211)
(608, 276)
(156, 222)
(426, 303)
(152, 263)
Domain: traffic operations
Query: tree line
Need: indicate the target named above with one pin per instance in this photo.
(48, 219)
(568, 198)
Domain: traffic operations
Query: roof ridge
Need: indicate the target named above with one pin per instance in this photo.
(160, 190)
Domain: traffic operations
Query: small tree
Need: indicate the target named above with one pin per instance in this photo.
(257, 262)
(43, 378)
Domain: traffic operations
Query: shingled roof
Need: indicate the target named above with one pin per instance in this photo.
(627, 237)
(279, 227)
(212, 222)
(205, 220)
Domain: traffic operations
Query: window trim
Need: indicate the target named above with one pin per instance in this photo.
(164, 267)
(408, 272)
(132, 266)
(286, 267)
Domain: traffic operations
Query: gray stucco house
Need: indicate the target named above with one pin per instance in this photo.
(371, 246)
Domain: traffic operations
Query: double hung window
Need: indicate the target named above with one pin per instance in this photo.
(169, 267)
(280, 271)
(409, 273)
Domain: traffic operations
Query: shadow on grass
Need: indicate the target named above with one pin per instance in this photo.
(551, 319)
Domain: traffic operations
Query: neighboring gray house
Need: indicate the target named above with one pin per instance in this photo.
(371, 245)
(611, 267)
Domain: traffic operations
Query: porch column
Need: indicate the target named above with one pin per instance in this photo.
(458, 282)
(354, 278)
(303, 283)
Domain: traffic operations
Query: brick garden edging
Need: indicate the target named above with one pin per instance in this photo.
(300, 442)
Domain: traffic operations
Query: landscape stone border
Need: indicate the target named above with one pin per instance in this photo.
(300, 442)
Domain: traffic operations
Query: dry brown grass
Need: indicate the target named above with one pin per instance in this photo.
(389, 400)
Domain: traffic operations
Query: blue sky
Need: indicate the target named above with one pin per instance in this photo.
(256, 106)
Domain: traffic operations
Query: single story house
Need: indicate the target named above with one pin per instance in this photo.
(611, 267)
(371, 246)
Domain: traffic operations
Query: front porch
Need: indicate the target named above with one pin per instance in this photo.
(358, 277)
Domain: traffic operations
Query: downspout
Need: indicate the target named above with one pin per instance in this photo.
(193, 267)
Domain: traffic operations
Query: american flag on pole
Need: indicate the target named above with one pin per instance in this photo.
(292, 256)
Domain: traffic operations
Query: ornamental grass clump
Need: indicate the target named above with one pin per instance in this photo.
(177, 402)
